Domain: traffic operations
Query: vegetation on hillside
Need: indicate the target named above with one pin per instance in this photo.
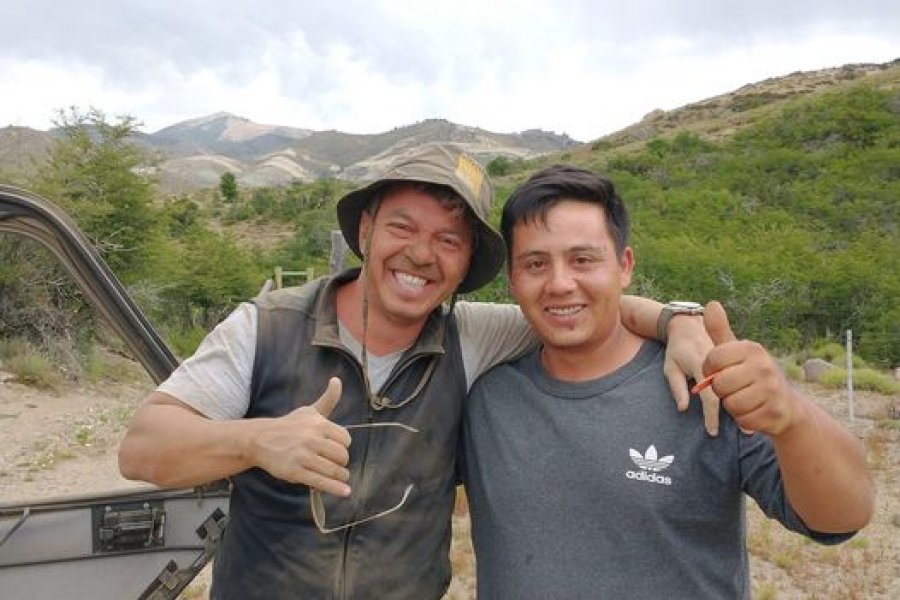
(791, 222)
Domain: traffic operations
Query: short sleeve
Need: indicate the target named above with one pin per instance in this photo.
(215, 380)
(490, 334)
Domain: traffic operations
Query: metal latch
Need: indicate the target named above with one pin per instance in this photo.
(128, 526)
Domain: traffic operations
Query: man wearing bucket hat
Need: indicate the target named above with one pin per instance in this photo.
(352, 385)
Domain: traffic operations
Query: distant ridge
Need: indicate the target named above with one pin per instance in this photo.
(199, 150)
(196, 152)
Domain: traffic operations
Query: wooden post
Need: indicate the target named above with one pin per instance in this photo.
(338, 251)
(850, 374)
(279, 278)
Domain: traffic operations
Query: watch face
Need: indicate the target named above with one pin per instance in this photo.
(685, 304)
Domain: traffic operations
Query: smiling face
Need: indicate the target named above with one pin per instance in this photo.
(566, 276)
(418, 254)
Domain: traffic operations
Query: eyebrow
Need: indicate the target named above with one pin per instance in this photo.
(529, 254)
(462, 227)
(588, 248)
(571, 250)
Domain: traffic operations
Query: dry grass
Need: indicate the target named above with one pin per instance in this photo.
(51, 442)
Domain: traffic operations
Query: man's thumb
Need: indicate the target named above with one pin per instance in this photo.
(715, 319)
(327, 401)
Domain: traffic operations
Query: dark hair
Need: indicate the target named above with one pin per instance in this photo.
(546, 188)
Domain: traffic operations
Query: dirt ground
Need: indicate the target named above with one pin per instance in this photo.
(59, 443)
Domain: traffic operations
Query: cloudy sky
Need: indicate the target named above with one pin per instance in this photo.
(582, 67)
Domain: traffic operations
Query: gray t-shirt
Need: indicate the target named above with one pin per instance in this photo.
(601, 489)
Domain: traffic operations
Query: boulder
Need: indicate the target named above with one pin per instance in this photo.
(814, 367)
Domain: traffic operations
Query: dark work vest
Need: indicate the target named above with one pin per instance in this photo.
(272, 549)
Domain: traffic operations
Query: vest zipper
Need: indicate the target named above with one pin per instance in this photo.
(342, 588)
(342, 592)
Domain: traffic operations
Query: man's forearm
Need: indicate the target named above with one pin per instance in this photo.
(172, 447)
(640, 315)
(825, 474)
(688, 343)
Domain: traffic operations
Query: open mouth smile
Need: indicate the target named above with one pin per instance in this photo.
(564, 311)
(407, 280)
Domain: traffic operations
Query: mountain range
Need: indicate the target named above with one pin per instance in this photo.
(195, 153)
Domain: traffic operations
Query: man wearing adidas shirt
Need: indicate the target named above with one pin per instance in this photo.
(583, 480)
(334, 407)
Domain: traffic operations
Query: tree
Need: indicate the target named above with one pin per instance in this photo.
(100, 176)
(228, 186)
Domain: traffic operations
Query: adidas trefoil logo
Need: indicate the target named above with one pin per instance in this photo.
(651, 464)
(649, 460)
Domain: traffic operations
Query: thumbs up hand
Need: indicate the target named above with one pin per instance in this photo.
(329, 398)
(304, 446)
(750, 383)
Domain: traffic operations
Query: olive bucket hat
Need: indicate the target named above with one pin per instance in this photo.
(442, 164)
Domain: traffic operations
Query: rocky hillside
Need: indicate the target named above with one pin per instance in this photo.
(195, 153)
(21, 148)
(721, 116)
(199, 151)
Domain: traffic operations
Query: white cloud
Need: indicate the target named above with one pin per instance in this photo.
(577, 66)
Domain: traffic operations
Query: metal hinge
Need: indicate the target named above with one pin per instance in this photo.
(128, 526)
(172, 580)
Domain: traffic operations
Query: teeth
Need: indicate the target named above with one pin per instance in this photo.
(411, 280)
(564, 312)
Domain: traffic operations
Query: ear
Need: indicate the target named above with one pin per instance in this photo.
(511, 285)
(365, 229)
(626, 266)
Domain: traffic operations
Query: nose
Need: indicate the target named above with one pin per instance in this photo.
(560, 281)
(420, 252)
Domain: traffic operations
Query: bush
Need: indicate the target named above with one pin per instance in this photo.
(792, 370)
(184, 342)
(835, 354)
(863, 379)
(34, 369)
(101, 364)
(830, 351)
(13, 347)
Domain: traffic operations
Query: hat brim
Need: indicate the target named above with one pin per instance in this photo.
(487, 257)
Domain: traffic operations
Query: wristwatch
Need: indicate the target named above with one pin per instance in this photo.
(675, 307)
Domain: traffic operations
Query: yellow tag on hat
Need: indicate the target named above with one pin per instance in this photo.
(469, 171)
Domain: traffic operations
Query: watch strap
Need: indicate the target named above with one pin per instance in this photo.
(670, 310)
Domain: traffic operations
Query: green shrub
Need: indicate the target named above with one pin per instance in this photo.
(101, 364)
(184, 342)
(11, 348)
(34, 369)
(84, 436)
(830, 351)
(792, 370)
(863, 379)
(835, 353)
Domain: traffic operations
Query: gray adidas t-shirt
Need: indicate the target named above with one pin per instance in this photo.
(601, 489)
